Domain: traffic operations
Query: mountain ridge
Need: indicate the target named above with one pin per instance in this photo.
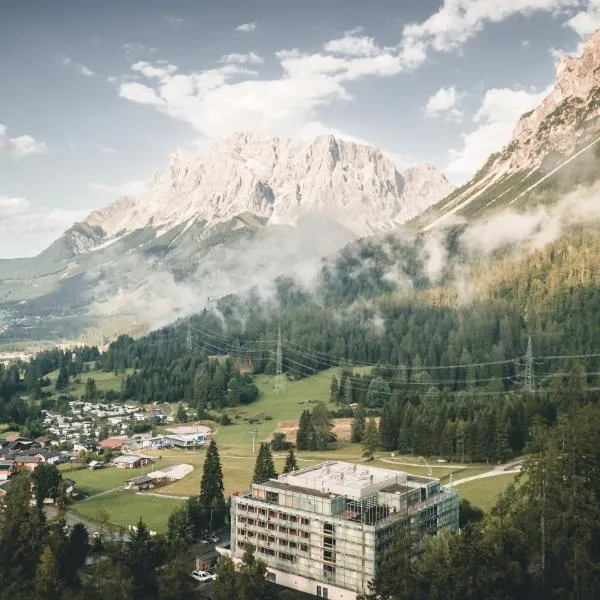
(275, 178)
(555, 139)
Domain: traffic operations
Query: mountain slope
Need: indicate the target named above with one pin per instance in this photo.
(278, 179)
(553, 149)
(238, 213)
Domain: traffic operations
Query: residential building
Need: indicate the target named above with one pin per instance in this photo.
(143, 482)
(189, 440)
(130, 461)
(87, 446)
(114, 443)
(7, 469)
(27, 463)
(323, 530)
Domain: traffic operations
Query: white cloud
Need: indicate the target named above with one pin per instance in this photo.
(444, 102)
(67, 62)
(497, 116)
(153, 72)
(221, 100)
(586, 21)
(353, 45)
(106, 149)
(20, 146)
(142, 94)
(251, 58)
(247, 27)
(457, 21)
(13, 205)
(525, 43)
(128, 188)
(26, 230)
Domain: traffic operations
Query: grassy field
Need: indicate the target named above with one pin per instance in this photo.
(93, 482)
(125, 508)
(104, 381)
(271, 407)
(485, 492)
(235, 447)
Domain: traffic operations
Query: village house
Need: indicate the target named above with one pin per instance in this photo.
(7, 469)
(143, 482)
(87, 446)
(27, 463)
(113, 443)
(131, 461)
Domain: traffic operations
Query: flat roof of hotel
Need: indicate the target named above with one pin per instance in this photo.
(346, 479)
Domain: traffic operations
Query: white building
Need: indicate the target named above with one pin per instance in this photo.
(322, 530)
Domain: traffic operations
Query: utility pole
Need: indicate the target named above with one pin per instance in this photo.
(254, 434)
(279, 363)
(529, 376)
(188, 340)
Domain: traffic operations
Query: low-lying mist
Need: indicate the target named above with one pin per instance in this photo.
(318, 252)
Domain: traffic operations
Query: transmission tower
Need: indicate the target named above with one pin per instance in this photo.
(529, 376)
(279, 363)
(188, 340)
(254, 434)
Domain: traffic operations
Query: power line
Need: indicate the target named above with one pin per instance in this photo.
(279, 363)
(529, 377)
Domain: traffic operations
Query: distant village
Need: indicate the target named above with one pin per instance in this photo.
(86, 419)
(99, 435)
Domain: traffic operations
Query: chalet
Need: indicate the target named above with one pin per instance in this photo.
(46, 456)
(18, 445)
(87, 446)
(27, 463)
(113, 443)
(139, 483)
(7, 469)
(131, 461)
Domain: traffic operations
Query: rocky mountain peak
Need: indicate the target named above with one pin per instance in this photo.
(564, 119)
(280, 179)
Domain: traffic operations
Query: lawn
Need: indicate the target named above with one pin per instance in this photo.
(94, 482)
(235, 448)
(270, 408)
(485, 492)
(104, 381)
(126, 508)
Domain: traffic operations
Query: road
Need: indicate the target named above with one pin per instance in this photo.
(499, 470)
(52, 513)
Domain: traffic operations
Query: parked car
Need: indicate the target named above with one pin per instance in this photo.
(214, 538)
(203, 576)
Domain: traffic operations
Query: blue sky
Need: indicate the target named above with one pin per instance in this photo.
(94, 96)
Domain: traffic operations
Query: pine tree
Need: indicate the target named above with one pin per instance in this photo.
(371, 439)
(47, 583)
(264, 468)
(358, 425)
(211, 486)
(388, 428)
(291, 464)
(62, 381)
(303, 437)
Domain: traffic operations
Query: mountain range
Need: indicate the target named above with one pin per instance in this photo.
(244, 210)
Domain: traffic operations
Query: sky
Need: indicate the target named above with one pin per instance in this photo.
(95, 96)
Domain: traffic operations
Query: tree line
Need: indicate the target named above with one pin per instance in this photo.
(541, 539)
